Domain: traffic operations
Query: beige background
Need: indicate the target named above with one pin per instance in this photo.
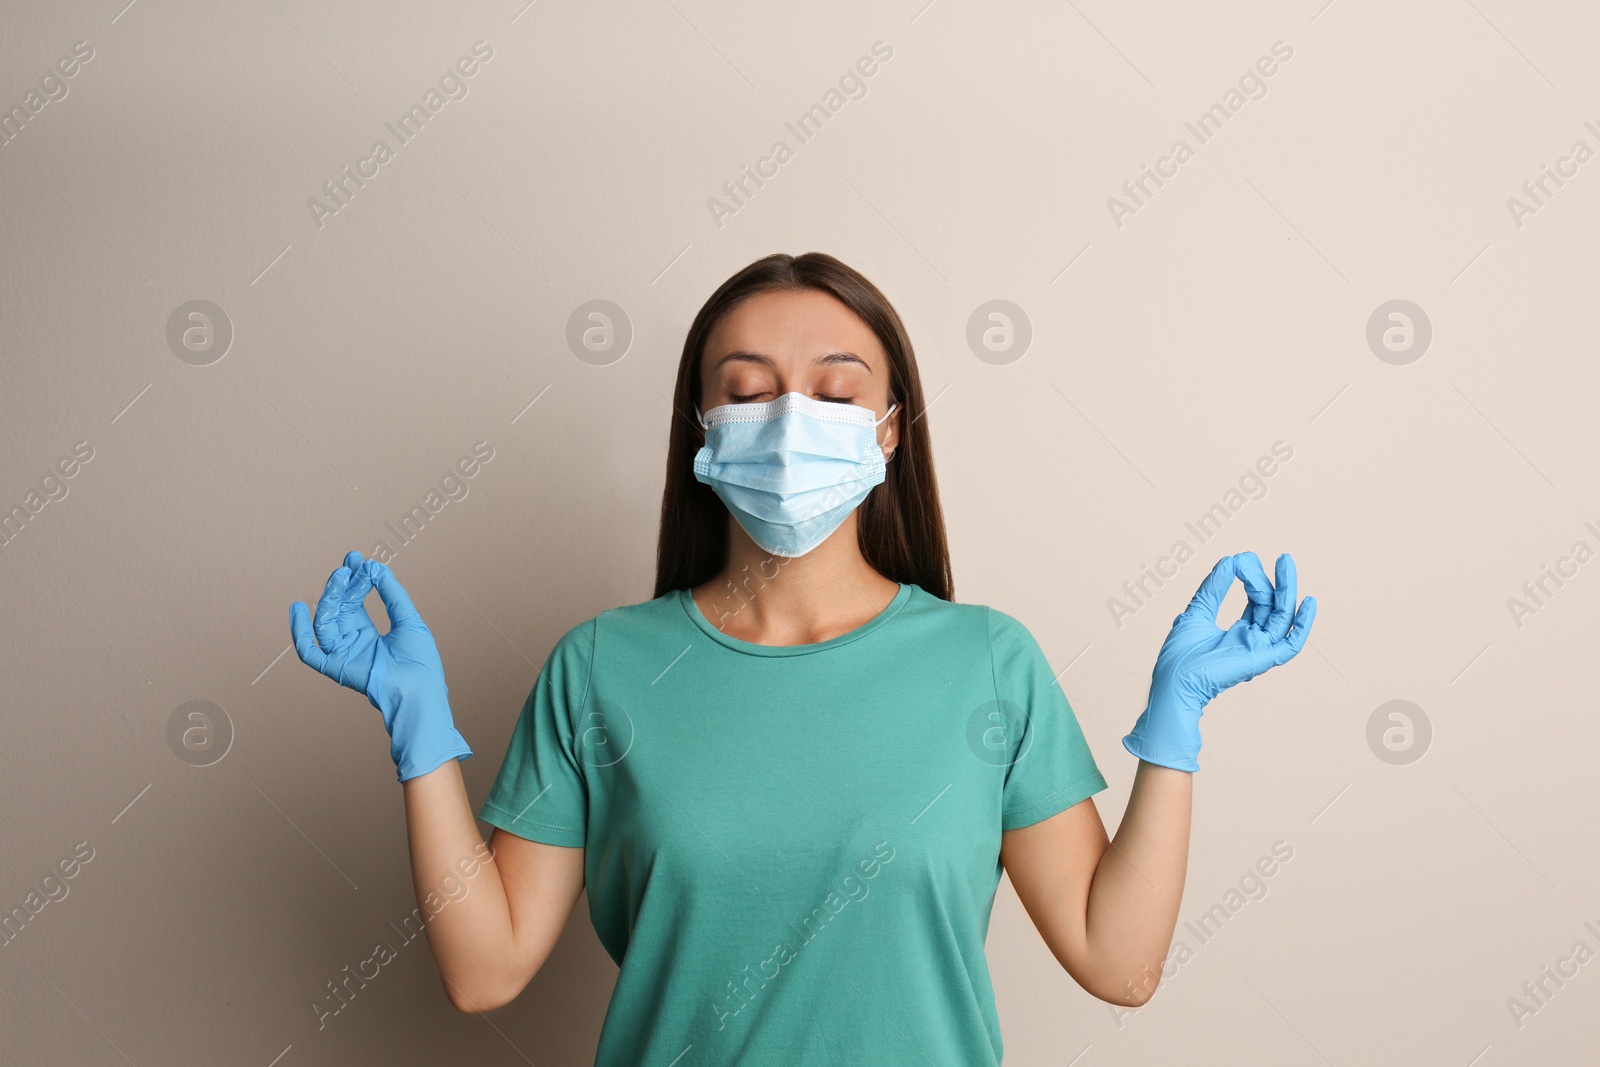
(370, 354)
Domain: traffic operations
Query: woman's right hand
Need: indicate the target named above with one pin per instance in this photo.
(399, 672)
(484, 958)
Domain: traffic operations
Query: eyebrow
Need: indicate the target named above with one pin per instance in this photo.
(755, 357)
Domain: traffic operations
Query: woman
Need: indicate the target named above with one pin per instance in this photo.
(790, 780)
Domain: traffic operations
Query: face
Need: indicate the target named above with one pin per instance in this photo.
(797, 341)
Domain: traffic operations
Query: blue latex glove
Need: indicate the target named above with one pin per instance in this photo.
(399, 672)
(1199, 660)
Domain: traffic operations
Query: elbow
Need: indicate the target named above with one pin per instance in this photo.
(1135, 997)
(485, 985)
(469, 1005)
(478, 999)
(1133, 991)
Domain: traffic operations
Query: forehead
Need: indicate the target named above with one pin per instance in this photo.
(792, 326)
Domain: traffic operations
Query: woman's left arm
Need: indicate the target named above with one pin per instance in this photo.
(1108, 907)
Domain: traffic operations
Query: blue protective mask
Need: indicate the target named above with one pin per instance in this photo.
(791, 470)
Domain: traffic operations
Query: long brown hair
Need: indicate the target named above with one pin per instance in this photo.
(900, 527)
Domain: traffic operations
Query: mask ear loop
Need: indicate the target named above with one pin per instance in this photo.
(890, 454)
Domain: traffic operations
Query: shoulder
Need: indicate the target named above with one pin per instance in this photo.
(978, 623)
(666, 608)
(625, 625)
(990, 621)
(1010, 641)
(970, 634)
(1005, 629)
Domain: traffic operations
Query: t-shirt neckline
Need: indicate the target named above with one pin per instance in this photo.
(696, 616)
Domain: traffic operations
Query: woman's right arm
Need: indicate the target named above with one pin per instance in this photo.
(497, 911)
(492, 915)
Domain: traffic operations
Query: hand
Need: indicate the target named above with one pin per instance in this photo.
(399, 672)
(1198, 660)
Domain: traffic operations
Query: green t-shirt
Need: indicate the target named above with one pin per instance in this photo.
(792, 851)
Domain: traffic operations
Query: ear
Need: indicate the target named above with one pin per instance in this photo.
(891, 433)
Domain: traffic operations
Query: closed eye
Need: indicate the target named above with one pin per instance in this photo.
(745, 399)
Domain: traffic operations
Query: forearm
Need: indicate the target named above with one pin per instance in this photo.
(460, 895)
(1138, 885)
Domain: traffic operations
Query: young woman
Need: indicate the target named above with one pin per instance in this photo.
(790, 781)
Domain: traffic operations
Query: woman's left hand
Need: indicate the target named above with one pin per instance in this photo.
(1198, 660)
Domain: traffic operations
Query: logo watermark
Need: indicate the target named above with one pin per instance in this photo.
(52, 489)
(199, 332)
(999, 332)
(599, 332)
(999, 732)
(339, 191)
(1399, 332)
(1251, 485)
(1536, 992)
(411, 927)
(1537, 592)
(605, 734)
(451, 488)
(739, 992)
(1250, 887)
(1536, 192)
(1399, 732)
(852, 85)
(1252, 85)
(199, 733)
(52, 88)
(52, 890)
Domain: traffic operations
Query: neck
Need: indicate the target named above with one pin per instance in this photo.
(779, 600)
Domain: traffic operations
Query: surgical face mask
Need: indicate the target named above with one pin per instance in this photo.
(791, 470)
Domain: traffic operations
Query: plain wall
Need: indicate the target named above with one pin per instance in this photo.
(1173, 345)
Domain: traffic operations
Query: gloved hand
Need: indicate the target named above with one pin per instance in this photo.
(1198, 660)
(399, 672)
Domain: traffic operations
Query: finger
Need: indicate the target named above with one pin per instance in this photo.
(396, 602)
(352, 559)
(1208, 598)
(326, 620)
(1256, 587)
(353, 615)
(1286, 650)
(1283, 598)
(304, 645)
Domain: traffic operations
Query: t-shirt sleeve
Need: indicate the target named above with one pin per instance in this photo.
(540, 791)
(1051, 768)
